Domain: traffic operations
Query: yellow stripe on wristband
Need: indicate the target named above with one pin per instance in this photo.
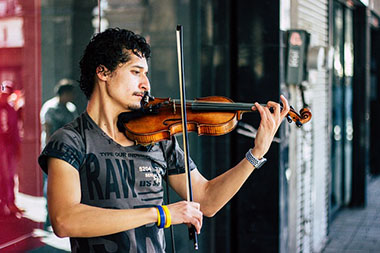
(168, 217)
(158, 217)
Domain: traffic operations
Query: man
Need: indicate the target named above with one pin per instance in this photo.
(55, 113)
(105, 192)
(10, 144)
(59, 110)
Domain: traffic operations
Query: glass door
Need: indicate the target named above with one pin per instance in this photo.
(341, 163)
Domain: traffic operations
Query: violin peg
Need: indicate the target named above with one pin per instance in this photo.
(289, 118)
(298, 124)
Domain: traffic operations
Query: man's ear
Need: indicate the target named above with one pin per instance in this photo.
(102, 72)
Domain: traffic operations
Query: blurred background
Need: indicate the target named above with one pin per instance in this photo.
(321, 54)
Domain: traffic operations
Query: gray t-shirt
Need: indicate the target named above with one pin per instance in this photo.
(113, 176)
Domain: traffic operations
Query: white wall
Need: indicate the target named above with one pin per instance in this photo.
(309, 146)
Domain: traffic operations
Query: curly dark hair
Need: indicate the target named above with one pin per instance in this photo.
(108, 48)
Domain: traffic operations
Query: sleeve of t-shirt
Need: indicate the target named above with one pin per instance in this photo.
(175, 158)
(64, 144)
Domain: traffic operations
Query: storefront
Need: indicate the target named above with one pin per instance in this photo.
(237, 49)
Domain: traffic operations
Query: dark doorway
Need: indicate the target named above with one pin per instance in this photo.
(342, 97)
(375, 100)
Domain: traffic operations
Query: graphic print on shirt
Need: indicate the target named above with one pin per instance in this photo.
(125, 181)
(120, 178)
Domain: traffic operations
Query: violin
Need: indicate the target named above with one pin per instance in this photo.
(160, 118)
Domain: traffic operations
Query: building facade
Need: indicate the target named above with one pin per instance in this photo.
(243, 50)
(240, 50)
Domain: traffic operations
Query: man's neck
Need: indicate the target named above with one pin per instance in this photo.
(105, 116)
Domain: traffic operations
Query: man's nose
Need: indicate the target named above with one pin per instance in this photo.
(145, 84)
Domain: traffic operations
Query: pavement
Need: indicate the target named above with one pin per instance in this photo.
(357, 230)
(24, 233)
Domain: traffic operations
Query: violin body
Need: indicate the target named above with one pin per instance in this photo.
(160, 118)
(165, 121)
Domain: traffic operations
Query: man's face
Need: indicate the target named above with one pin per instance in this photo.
(126, 85)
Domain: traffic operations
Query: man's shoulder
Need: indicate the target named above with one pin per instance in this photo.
(79, 124)
(67, 143)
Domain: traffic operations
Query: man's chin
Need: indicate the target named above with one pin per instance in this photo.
(134, 107)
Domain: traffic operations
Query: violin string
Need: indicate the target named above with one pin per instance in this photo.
(231, 106)
(220, 105)
(224, 106)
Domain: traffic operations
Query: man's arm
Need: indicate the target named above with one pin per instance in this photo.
(214, 194)
(71, 218)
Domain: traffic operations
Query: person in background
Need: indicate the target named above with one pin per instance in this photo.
(55, 113)
(59, 110)
(10, 107)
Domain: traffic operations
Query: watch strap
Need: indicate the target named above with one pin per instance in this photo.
(257, 163)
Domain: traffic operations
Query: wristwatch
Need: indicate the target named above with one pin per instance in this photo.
(253, 160)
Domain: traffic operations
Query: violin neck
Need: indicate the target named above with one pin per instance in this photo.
(219, 106)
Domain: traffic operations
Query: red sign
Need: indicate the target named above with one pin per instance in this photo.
(295, 39)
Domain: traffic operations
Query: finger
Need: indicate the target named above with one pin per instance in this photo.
(200, 225)
(198, 216)
(196, 205)
(195, 215)
(276, 108)
(285, 106)
(270, 117)
(261, 110)
(197, 223)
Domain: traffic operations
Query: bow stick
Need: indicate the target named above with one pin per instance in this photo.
(179, 33)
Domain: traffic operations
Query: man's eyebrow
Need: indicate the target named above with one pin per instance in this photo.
(138, 66)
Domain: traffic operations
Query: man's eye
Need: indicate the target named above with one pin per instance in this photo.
(135, 72)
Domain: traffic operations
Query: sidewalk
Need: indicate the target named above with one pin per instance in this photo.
(358, 230)
(25, 234)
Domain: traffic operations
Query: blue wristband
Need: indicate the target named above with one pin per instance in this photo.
(162, 217)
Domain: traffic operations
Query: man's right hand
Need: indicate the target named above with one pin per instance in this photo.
(188, 213)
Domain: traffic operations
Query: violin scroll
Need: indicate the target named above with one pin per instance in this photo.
(300, 118)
